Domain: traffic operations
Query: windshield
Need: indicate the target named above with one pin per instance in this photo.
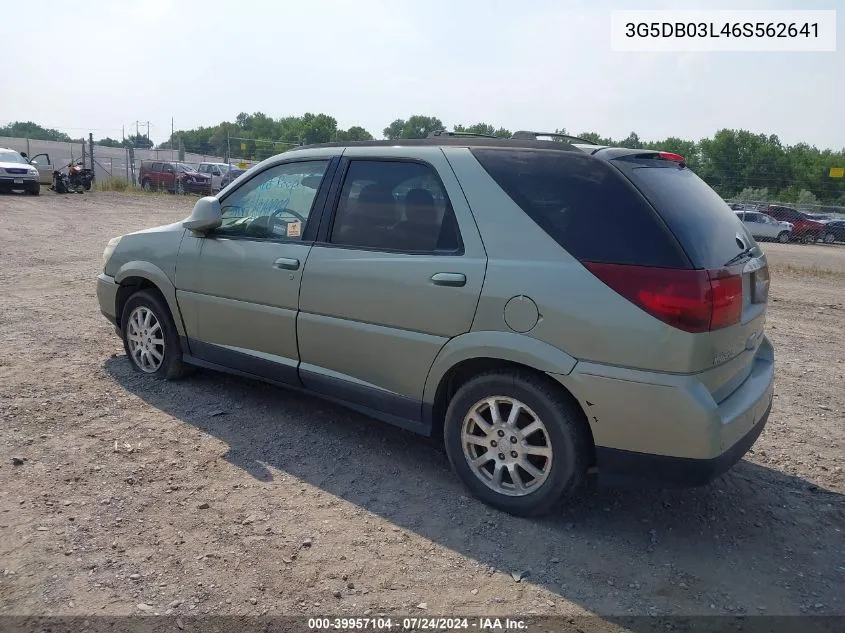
(7, 156)
(185, 168)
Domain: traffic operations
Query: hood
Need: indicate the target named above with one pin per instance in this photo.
(164, 228)
(7, 165)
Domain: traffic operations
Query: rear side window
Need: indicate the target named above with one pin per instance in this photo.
(703, 222)
(585, 205)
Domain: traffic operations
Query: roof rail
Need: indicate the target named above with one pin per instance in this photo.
(438, 133)
(525, 135)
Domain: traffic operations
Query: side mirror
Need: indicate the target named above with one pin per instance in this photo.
(205, 216)
(312, 182)
(34, 163)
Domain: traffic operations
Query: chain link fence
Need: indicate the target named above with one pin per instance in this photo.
(113, 163)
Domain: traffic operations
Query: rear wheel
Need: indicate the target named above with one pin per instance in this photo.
(783, 237)
(829, 238)
(150, 338)
(516, 442)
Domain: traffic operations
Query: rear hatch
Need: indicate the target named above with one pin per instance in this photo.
(718, 245)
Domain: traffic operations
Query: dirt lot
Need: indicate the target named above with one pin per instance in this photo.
(219, 495)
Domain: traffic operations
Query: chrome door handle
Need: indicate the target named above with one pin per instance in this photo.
(455, 280)
(286, 263)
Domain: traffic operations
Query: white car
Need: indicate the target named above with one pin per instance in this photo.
(764, 227)
(16, 174)
(216, 171)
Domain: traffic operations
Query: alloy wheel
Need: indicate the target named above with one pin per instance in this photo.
(145, 339)
(507, 446)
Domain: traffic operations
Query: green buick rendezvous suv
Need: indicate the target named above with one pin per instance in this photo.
(551, 309)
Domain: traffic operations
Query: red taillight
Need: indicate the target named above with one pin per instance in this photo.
(670, 156)
(690, 300)
(726, 294)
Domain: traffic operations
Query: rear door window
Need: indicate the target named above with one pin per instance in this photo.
(392, 205)
(585, 205)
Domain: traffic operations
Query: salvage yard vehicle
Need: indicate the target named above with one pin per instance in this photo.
(765, 227)
(16, 174)
(804, 228)
(550, 309)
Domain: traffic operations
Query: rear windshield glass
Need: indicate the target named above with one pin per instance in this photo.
(585, 205)
(704, 223)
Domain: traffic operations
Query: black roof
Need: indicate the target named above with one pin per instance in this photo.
(458, 141)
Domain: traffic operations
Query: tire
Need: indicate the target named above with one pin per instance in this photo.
(146, 185)
(783, 237)
(563, 430)
(829, 238)
(88, 185)
(34, 192)
(169, 366)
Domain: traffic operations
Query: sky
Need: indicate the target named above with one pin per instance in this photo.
(100, 65)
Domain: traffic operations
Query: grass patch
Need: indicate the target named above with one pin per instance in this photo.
(112, 184)
(121, 185)
(807, 271)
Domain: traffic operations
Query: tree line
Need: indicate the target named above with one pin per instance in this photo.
(736, 163)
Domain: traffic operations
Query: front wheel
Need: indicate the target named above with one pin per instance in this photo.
(87, 185)
(783, 237)
(150, 338)
(146, 185)
(829, 238)
(516, 442)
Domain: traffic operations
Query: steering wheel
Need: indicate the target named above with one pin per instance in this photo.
(279, 212)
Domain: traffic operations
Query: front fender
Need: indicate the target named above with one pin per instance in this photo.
(508, 346)
(157, 276)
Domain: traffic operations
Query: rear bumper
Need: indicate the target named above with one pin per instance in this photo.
(626, 468)
(667, 429)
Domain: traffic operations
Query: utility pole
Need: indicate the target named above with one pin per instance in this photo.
(172, 134)
(91, 151)
(123, 132)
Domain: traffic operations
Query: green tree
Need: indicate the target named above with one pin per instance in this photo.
(417, 126)
(355, 133)
(30, 130)
(807, 197)
(596, 139)
(483, 128)
(632, 141)
(140, 141)
(109, 142)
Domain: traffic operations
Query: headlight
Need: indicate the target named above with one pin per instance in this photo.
(107, 253)
(32, 170)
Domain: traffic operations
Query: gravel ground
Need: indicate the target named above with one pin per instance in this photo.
(217, 495)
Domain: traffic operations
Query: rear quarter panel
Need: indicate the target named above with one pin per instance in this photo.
(578, 314)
